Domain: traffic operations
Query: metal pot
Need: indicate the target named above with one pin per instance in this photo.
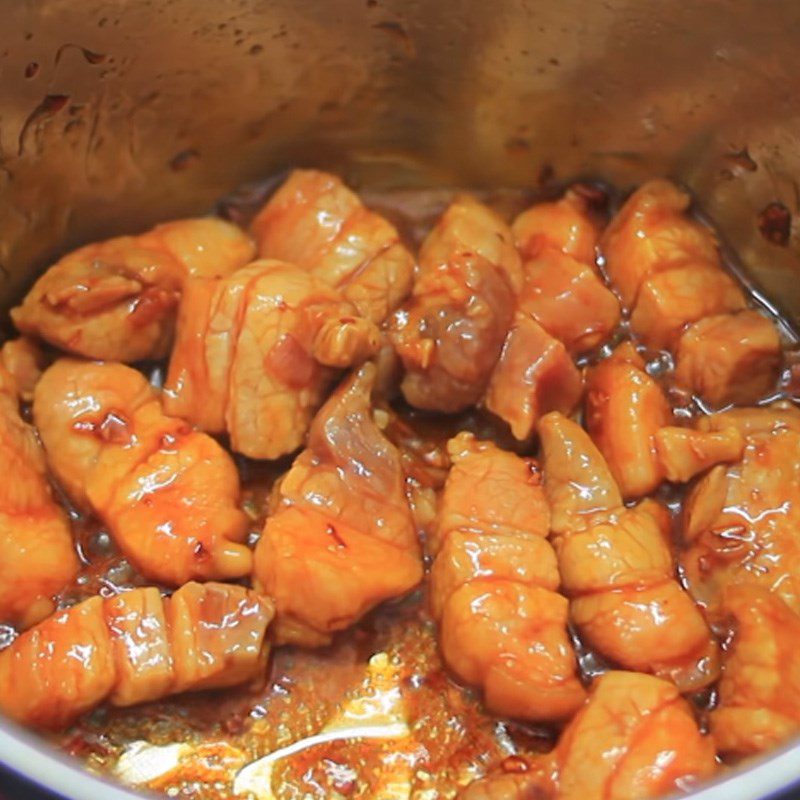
(114, 115)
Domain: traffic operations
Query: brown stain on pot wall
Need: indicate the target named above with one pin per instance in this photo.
(775, 223)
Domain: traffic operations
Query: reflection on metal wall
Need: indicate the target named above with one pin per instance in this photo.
(113, 115)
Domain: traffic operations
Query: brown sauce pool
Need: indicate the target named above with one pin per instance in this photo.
(448, 740)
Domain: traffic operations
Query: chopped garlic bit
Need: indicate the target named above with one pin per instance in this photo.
(381, 418)
(143, 762)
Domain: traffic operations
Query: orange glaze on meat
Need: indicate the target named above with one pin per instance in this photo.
(37, 557)
(569, 300)
(563, 309)
(617, 567)
(316, 222)
(132, 648)
(565, 225)
(169, 494)
(493, 585)
(24, 361)
(651, 233)
(759, 693)
(634, 738)
(740, 521)
(731, 358)
(117, 299)
(535, 374)
(668, 272)
(449, 333)
(341, 537)
(630, 420)
(256, 353)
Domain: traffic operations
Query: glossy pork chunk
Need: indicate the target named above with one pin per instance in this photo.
(257, 352)
(24, 361)
(667, 269)
(317, 223)
(759, 694)
(617, 567)
(630, 420)
(565, 225)
(168, 494)
(740, 521)
(634, 738)
(134, 647)
(450, 332)
(37, 555)
(341, 537)
(493, 585)
(117, 299)
(562, 310)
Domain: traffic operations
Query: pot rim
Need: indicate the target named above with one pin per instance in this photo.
(767, 777)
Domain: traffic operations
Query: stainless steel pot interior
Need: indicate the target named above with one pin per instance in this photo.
(115, 114)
